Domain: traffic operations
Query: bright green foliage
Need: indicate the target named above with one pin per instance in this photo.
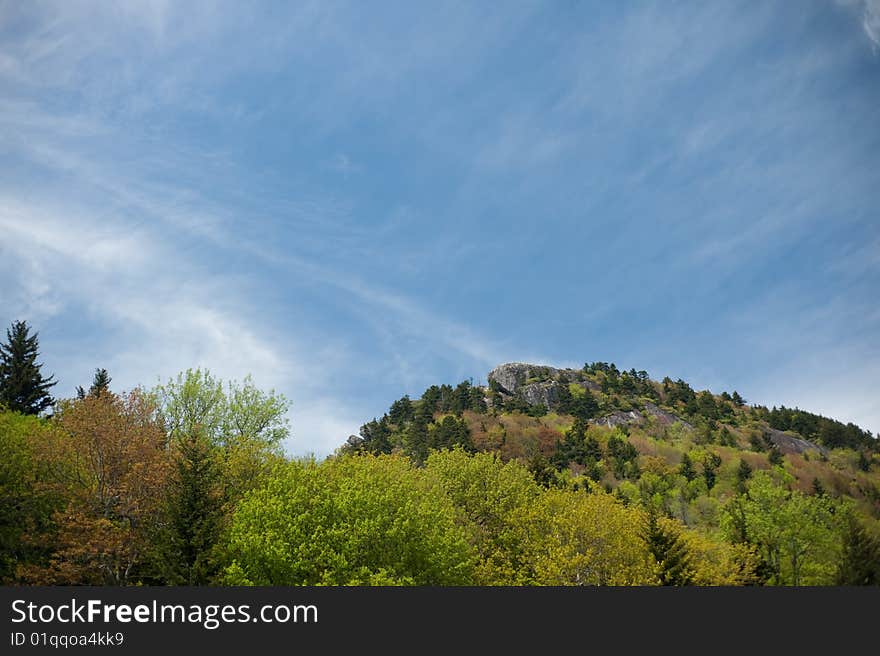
(349, 521)
(572, 538)
(488, 491)
(195, 402)
(24, 506)
(797, 535)
(244, 424)
(22, 385)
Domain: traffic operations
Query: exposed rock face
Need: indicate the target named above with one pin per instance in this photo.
(511, 376)
(536, 383)
(663, 418)
(544, 393)
(618, 418)
(790, 444)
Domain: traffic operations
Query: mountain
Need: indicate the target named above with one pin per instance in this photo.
(640, 438)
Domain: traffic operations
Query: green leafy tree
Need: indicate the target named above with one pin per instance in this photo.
(572, 538)
(349, 521)
(488, 492)
(26, 506)
(246, 424)
(798, 536)
(23, 388)
(196, 402)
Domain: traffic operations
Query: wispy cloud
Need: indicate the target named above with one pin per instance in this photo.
(869, 11)
(348, 224)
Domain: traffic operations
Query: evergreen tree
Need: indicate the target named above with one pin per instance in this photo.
(415, 439)
(668, 549)
(401, 410)
(737, 399)
(100, 384)
(541, 470)
(376, 436)
(584, 405)
(193, 516)
(860, 561)
(776, 457)
(450, 432)
(710, 469)
(686, 468)
(477, 402)
(22, 386)
(743, 473)
(563, 400)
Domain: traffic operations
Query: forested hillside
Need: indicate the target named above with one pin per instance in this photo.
(792, 494)
(545, 476)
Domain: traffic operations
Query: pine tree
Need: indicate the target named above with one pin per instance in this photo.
(860, 562)
(193, 512)
(100, 384)
(710, 469)
(776, 457)
(686, 468)
(668, 549)
(743, 473)
(22, 386)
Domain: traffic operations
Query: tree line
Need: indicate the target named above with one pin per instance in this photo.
(186, 483)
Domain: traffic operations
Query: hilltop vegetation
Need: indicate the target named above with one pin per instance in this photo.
(543, 477)
(793, 489)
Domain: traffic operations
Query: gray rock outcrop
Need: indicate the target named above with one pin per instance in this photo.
(663, 418)
(537, 384)
(790, 444)
(618, 418)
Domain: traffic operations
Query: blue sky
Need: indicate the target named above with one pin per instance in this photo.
(353, 201)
